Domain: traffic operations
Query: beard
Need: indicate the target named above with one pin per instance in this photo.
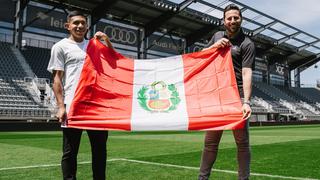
(232, 29)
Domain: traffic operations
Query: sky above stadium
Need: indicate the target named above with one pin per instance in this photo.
(302, 14)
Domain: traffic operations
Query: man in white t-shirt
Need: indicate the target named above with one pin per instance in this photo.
(66, 61)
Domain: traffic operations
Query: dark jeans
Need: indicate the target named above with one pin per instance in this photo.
(71, 142)
(210, 152)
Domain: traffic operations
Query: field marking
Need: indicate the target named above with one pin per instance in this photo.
(218, 170)
(161, 164)
(49, 165)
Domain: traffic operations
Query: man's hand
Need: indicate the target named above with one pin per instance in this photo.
(246, 110)
(102, 36)
(61, 114)
(224, 42)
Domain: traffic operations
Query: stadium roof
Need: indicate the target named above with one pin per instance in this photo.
(197, 20)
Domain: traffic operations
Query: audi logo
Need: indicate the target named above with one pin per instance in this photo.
(121, 35)
(280, 69)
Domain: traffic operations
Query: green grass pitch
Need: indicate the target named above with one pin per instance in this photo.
(282, 152)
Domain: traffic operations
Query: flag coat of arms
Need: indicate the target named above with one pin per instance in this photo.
(196, 91)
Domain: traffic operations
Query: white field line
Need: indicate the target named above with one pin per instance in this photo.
(48, 165)
(165, 165)
(218, 170)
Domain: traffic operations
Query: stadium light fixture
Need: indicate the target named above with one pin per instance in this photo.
(164, 30)
(175, 9)
(109, 16)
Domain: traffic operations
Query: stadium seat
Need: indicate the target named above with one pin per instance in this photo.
(16, 100)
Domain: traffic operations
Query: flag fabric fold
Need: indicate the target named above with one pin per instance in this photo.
(196, 91)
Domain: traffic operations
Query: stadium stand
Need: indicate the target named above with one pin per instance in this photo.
(18, 98)
(38, 59)
(283, 100)
(311, 94)
(272, 101)
(10, 66)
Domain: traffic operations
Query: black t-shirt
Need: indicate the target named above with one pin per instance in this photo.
(242, 51)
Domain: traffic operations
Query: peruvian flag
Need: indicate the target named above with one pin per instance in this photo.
(196, 91)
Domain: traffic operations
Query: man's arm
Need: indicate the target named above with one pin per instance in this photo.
(247, 89)
(58, 92)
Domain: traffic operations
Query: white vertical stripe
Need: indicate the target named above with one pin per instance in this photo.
(169, 70)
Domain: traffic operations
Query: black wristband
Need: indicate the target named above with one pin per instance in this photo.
(247, 103)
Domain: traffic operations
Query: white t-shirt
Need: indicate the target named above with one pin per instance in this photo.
(68, 56)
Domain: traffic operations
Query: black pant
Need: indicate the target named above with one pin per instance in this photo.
(71, 143)
(210, 152)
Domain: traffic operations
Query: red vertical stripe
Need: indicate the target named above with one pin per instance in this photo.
(213, 101)
(103, 101)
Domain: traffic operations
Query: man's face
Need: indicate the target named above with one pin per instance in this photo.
(232, 21)
(77, 26)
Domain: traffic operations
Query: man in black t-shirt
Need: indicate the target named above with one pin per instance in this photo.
(243, 55)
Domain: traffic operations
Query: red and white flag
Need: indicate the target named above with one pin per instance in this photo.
(196, 91)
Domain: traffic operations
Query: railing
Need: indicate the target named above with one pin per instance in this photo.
(50, 98)
(33, 89)
(313, 117)
(259, 110)
(38, 84)
(282, 110)
(38, 43)
(28, 41)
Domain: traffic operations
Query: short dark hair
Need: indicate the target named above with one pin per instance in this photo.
(75, 13)
(231, 7)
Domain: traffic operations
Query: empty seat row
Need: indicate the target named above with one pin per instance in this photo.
(25, 113)
(38, 59)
